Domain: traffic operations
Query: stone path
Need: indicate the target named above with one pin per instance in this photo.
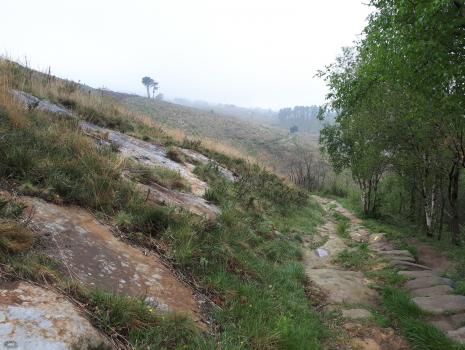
(343, 290)
(32, 317)
(431, 292)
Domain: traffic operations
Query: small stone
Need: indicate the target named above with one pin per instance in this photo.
(356, 314)
(321, 252)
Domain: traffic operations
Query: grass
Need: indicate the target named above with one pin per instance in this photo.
(411, 320)
(358, 258)
(270, 146)
(165, 177)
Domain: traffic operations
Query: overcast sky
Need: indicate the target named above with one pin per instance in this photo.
(261, 53)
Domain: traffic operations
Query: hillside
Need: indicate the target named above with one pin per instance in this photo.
(271, 146)
(117, 233)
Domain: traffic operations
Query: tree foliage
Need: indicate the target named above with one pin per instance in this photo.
(399, 94)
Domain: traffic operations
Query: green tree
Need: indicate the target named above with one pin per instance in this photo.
(148, 82)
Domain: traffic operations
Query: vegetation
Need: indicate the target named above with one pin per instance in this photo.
(267, 145)
(165, 177)
(399, 96)
(248, 261)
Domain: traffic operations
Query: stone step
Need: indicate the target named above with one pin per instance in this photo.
(400, 257)
(409, 265)
(457, 335)
(426, 282)
(448, 322)
(397, 252)
(417, 274)
(356, 314)
(432, 291)
(441, 304)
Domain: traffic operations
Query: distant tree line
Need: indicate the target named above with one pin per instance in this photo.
(300, 118)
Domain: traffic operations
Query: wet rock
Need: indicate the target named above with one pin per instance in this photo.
(95, 257)
(356, 314)
(441, 304)
(35, 318)
(426, 282)
(432, 291)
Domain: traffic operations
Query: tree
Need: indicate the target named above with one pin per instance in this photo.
(148, 82)
(154, 86)
(400, 91)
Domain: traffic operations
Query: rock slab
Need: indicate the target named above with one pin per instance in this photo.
(441, 304)
(35, 318)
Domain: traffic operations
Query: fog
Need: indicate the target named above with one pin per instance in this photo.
(261, 53)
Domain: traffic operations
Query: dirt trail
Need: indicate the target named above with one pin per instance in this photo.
(92, 255)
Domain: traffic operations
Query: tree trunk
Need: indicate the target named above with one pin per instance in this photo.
(429, 198)
(148, 91)
(453, 192)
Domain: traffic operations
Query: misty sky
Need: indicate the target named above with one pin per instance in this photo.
(261, 53)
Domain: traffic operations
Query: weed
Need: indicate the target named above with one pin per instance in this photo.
(358, 258)
(175, 154)
(165, 177)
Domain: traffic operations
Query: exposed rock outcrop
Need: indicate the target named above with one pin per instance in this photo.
(32, 317)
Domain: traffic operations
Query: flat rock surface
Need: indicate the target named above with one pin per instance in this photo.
(409, 265)
(399, 258)
(457, 335)
(432, 291)
(418, 274)
(188, 201)
(341, 286)
(441, 304)
(397, 252)
(148, 154)
(93, 255)
(35, 318)
(356, 314)
(426, 282)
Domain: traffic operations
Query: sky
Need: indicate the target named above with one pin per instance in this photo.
(252, 53)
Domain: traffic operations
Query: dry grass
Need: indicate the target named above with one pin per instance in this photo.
(14, 238)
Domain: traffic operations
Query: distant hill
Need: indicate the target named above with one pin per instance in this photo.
(271, 145)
